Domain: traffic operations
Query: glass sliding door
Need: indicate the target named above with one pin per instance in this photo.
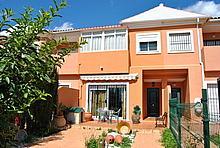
(98, 100)
(112, 97)
(117, 99)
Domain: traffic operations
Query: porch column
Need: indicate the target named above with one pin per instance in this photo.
(167, 108)
(164, 94)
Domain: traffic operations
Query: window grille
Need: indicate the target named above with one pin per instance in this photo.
(180, 42)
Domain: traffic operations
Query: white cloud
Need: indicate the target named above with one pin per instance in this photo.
(209, 8)
(64, 26)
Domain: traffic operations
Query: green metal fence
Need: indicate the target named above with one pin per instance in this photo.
(189, 123)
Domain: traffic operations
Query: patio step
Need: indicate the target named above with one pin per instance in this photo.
(149, 119)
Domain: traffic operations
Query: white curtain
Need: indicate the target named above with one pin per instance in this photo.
(109, 42)
(120, 41)
(87, 46)
(96, 43)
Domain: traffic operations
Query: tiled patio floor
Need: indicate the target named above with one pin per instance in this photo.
(147, 135)
(144, 125)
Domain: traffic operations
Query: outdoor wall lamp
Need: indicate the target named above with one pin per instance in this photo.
(153, 84)
(198, 107)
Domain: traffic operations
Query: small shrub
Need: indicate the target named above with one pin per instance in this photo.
(111, 130)
(96, 142)
(168, 140)
(216, 139)
(137, 110)
(92, 142)
(99, 128)
(126, 143)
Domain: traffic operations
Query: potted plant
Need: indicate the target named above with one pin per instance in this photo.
(59, 119)
(136, 115)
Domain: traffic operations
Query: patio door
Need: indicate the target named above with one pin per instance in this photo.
(112, 97)
(98, 100)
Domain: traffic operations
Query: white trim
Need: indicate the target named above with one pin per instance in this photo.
(180, 31)
(102, 51)
(160, 23)
(158, 39)
(110, 77)
(65, 83)
(127, 108)
(103, 39)
(109, 83)
(206, 82)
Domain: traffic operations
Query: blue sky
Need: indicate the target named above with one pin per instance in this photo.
(89, 13)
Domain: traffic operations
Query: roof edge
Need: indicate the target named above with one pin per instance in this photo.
(89, 28)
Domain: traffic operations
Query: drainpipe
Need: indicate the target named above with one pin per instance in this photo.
(200, 53)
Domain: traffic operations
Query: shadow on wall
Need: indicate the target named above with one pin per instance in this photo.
(68, 96)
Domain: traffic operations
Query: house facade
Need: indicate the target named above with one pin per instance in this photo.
(147, 59)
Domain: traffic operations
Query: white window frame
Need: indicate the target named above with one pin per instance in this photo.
(158, 39)
(206, 85)
(180, 31)
(64, 83)
(108, 83)
(103, 39)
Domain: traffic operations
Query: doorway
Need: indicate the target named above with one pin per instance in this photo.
(153, 102)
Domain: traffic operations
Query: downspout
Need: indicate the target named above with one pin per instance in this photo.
(200, 53)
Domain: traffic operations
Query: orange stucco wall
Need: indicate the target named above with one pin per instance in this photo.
(211, 54)
(103, 62)
(164, 58)
(211, 58)
(71, 64)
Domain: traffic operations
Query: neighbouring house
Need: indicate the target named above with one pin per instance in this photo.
(145, 60)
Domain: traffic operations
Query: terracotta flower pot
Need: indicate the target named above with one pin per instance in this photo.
(118, 139)
(109, 139)
(88, 116)
(60, 121)
(135, 119)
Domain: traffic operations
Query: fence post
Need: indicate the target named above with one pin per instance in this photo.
(178, 107)
(205, 119)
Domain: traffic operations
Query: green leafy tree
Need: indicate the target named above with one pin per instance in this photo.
(27, 70)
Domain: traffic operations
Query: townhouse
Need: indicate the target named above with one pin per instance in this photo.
(145, 60)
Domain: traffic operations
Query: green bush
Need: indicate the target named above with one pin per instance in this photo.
(95, 142)
(168, 140)
(137, 110)
(216, 139)
(126, 143)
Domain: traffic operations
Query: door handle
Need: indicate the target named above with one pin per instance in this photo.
(153, 105)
